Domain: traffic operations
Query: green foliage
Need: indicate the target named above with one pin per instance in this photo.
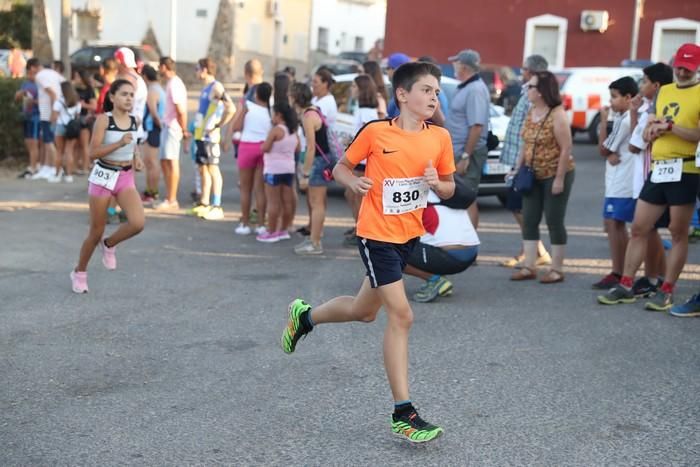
(16, 26)
(11, 136)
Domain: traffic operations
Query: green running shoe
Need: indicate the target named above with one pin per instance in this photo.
(414, 429)
(432, 289)
(294, 330)
(617, 295)
(660, 302)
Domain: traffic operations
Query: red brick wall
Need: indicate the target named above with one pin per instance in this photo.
(496, 28)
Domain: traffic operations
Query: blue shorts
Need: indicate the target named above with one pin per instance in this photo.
(279, 179)
(47, 134)
(317, 177)
(31, 127)
(384, 261)
(619, 209)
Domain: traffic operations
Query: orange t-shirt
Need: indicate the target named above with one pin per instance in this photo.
(396, 158)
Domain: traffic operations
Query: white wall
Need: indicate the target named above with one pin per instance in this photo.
(348, 19)
(126, 21)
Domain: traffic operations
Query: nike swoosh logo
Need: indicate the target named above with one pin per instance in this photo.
(687, 56)
(384, 151)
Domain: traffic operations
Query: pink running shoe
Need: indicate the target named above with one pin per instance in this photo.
(284, 235)
(79, 281)
(109, 258)
(268, 237)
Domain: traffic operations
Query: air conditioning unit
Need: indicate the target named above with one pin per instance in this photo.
(594, 20)
(273, 8)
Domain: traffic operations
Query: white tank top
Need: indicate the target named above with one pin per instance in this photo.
(256, 124)
(114, 134)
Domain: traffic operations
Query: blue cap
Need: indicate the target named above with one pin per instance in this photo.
(397, 59)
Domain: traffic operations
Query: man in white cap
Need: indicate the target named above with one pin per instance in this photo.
(126, 64)
(468, 122)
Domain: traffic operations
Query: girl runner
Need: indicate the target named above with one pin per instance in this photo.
(112, 146)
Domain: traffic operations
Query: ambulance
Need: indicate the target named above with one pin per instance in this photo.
(584, 91)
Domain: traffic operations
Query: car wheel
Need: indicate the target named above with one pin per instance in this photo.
(593, 129)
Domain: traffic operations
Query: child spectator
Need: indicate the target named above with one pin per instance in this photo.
(256, 126)
(279, 172)
(66, 116)
(618, 208)
(655, 76)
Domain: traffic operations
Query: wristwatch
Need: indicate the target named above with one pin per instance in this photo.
(465, 156)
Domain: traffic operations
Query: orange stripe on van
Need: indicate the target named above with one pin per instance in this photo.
(579, 120)
(593, 102)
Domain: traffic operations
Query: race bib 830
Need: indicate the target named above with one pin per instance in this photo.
(402, 195)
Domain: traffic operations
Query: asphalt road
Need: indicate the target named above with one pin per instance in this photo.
(173, 359)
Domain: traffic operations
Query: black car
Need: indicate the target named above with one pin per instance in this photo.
(91, 57)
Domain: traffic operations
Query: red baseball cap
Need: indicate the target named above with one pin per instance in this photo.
(125, 56)
(688, 56)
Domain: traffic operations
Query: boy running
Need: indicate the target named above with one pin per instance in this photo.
(406, 157)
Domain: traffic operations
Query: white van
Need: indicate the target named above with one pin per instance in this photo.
(584, 91)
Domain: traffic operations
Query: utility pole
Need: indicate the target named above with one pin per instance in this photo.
(65, 35)
(638, 14)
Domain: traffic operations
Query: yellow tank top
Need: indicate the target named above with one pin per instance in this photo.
(682, 105)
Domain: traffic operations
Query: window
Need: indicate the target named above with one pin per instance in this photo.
(669, 34)
(359, 44)
(546, 35)
(322, 40)
(200, 13)
(86, 25)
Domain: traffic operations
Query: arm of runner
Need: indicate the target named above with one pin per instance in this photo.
(229, 107)
(688, 134)
(358, 150)
(99, 150)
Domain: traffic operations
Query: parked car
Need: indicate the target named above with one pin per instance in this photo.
(584, 92)
(339, 66)
(91, 57)
(493, 177)
(502, 82)
(360, 57)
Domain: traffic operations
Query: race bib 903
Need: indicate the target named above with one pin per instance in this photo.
(103, 177)
(402, 195)
(667, 171)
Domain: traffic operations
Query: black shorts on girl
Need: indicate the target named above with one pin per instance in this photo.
(384, 261)
(435, 260)
(153, 138)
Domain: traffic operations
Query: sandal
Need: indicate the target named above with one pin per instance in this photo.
(552, 277)
(524, 274)
(513, 262)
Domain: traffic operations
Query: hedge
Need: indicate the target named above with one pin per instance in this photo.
(11, 137)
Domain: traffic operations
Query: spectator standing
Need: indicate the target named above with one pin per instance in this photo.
(512, 144)
(619, 203)
(323, 99)
(88, 105)
(152, 125)
(547, 150)
(48, 83)
(374, 70)
(394, 61)
(65, 116)
(173, 132)
(468, 122)
(673, 130)
(654, 77)
(28, 95)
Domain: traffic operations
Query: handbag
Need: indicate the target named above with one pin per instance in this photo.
(524, 179)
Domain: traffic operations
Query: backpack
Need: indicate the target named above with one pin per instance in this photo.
(462, 198)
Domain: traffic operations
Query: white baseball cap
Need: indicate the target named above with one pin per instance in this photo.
(125, 56)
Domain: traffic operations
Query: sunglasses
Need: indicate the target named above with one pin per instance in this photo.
(532, 86)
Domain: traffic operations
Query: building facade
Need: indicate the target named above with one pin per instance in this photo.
(567, 32)
(274, 31)
(346, 26)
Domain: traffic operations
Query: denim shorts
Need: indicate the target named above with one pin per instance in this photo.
(31, 128)
(47, 134)
(279, 179)
(316, 177)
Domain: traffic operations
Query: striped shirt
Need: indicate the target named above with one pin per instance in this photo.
(513, 141)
